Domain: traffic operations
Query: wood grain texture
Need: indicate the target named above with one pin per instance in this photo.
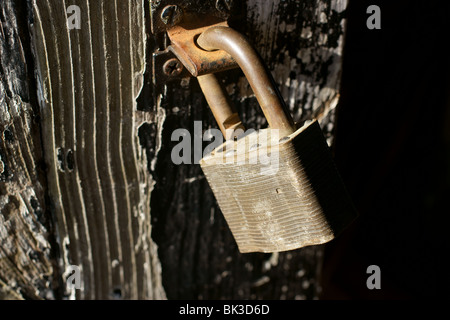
(199, 257)
(26, 269)
(99, 187)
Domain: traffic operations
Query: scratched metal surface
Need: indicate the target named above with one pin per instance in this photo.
(279, 196)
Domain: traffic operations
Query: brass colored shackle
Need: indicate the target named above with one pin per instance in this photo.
(260, 79)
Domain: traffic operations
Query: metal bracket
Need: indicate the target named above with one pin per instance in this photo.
(198, 61)
(184, 21)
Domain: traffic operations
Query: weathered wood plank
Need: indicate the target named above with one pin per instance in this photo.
(25, 247)
(99, 187)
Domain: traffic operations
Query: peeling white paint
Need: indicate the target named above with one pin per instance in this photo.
(339, 5)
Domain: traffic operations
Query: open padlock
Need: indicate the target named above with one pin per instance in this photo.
(278, 188)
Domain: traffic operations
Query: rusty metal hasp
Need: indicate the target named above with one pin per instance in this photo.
(176, 24)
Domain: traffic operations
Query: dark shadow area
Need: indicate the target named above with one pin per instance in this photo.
(392, 149)
(316, 160)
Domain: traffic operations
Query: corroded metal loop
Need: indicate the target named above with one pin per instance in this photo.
(260, 79)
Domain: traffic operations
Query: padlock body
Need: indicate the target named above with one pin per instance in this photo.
(279, 194)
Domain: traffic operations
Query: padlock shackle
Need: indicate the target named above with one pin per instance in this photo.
(223, 110)
(260, 79)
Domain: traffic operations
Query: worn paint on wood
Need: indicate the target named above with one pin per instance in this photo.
(302, 42)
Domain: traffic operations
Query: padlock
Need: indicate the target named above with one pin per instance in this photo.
(278, 188)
